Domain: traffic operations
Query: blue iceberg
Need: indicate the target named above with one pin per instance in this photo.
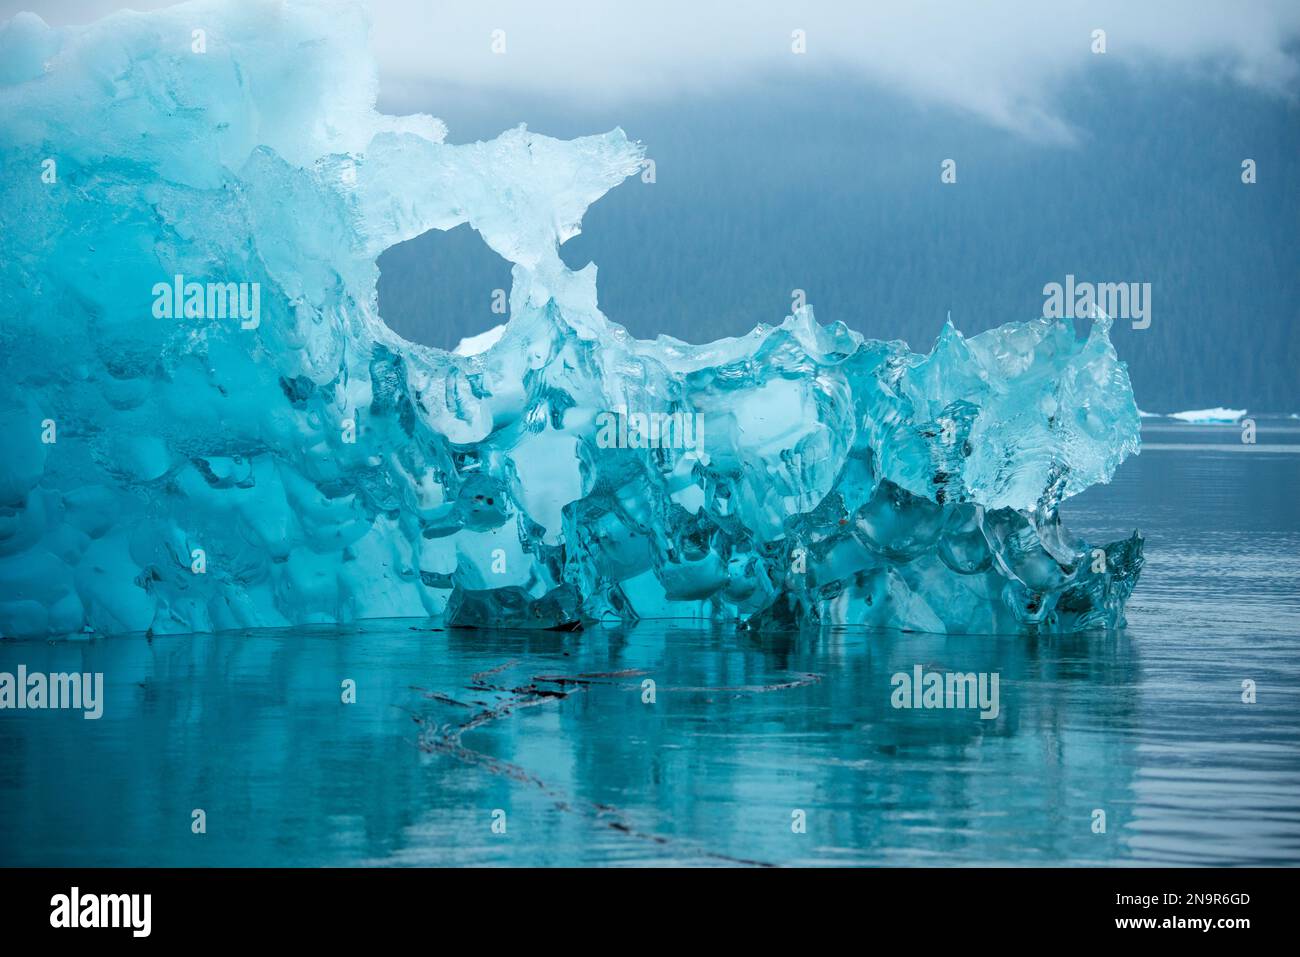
(212, 428)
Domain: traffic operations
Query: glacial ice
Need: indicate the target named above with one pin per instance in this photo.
(307, 465)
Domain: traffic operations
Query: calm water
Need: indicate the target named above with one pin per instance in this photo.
(550, 729)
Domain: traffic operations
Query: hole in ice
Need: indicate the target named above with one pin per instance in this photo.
(441, 287)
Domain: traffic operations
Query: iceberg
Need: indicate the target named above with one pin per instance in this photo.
(1216, 416)
(212, 428)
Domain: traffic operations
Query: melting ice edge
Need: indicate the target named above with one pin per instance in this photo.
(180, 475)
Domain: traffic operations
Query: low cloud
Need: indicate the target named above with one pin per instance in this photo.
(1003, 62)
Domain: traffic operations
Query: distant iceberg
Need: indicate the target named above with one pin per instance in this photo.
(1209, 416)
(173, 467)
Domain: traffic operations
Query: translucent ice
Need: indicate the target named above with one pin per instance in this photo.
(210, 426)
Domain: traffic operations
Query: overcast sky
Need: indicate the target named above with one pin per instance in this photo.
(1002, 61)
